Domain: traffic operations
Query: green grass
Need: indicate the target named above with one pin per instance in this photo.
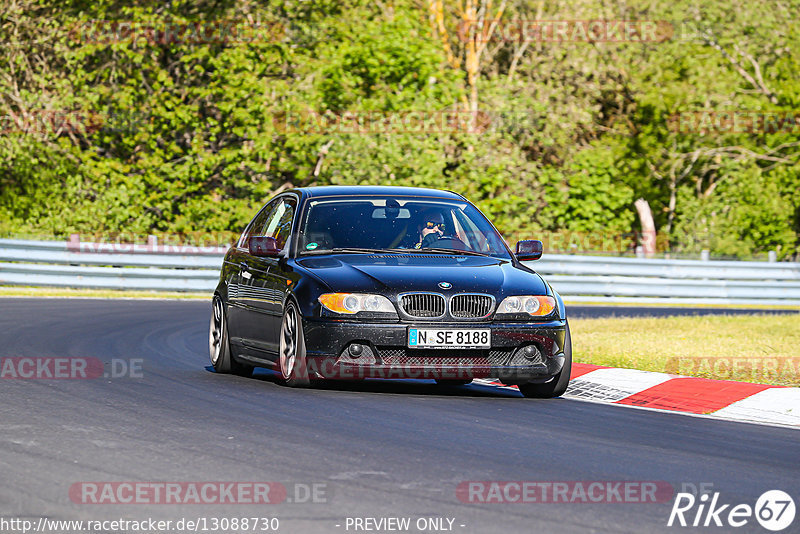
(12, 291)
(667, 303)
(749, 348)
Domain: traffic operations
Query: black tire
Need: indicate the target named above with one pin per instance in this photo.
(558, 385)
(453, 381)
(219, 347)
(292, 360)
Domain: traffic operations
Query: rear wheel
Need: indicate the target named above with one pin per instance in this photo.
(294, 371)
(558, 385)
(219, 348)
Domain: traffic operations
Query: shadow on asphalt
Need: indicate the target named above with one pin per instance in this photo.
(389, 386)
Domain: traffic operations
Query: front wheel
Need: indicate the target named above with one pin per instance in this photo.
(558, 385)
(293, 349)
(219, 348)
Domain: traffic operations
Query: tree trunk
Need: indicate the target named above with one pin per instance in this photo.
(648, 227)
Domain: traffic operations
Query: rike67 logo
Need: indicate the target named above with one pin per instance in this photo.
(774, 510)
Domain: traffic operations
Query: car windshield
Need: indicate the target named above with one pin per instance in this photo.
(368, 224)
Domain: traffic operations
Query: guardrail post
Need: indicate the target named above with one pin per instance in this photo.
(74, 242)
(772, 256)
(705, 255)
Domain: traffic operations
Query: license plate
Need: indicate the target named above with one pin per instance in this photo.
(449, 338)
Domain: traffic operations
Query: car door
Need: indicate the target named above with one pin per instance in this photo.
(266, 283)
(239, 285)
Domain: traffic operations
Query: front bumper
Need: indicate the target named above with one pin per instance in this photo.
(386, 354)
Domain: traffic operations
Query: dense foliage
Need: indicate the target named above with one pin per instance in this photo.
(190, 136)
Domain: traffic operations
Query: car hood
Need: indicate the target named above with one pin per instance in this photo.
(391, 274)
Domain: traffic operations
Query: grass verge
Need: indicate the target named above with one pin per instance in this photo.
(12, 291)
(668, 303)
(749, 348)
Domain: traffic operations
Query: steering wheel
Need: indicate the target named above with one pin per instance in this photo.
(448, 241)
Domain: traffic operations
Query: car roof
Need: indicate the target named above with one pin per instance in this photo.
(360, 190)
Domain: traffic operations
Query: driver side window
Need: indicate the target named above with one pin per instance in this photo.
(279, 224)
(258, 223)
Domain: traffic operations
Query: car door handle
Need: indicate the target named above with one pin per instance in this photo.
(245, 273)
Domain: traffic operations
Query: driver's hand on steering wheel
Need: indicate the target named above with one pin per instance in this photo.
(428, 236)
(435, 229)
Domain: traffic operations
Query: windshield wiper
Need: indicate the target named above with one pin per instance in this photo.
(449, 251)
(347, 250)
(359, 250)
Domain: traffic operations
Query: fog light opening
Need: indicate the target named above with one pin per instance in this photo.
(531, 353)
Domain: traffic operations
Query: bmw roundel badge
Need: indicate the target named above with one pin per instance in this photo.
(445, 285)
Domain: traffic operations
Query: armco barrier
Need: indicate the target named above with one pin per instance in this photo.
(105, 266)
(598, 277)
(162, 268)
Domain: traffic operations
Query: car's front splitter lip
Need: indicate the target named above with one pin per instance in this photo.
(331, 368)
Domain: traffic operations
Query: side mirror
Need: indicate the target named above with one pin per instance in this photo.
(529, 249)
(261, 245)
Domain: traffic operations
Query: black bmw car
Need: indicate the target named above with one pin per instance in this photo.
(386, 282)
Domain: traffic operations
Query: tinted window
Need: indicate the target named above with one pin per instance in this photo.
(279, 223)
(390, 223)
(258, 223)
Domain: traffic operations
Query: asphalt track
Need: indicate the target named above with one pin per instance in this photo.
(382, 448)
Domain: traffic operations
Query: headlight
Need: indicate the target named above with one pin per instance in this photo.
(536, 306)
(350, 303)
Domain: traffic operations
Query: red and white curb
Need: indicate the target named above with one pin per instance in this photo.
(720, 399)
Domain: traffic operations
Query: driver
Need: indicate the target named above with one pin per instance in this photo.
(431, 227)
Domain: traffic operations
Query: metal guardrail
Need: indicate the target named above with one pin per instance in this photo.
(160, 268)
(61, 264)
(745, 282)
